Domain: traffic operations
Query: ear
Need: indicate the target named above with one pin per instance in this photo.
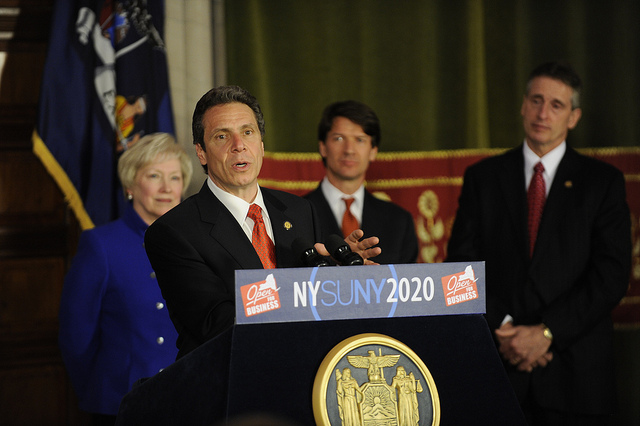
(373, 153)
(322, 149)
(200, 154)
(574, 117)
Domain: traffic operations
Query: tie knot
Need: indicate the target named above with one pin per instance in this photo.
(255, 212)
(348, 202)
(539, 168)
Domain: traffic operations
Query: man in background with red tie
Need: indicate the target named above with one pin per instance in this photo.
(348, 140)
(231, 224)
(553, 227)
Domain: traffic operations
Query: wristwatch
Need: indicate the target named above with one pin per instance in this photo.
(547, 333)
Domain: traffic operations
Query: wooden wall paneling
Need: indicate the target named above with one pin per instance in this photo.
(33, 396)
(38, 235)
(24, 31)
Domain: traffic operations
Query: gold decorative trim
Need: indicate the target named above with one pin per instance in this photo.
(449, 153)
(609, 151)
(288, 185)
(404, 183)
(58, 174)
(390, 155)
(293, 156)
(376, 184)
(421, 155)
(384, 351)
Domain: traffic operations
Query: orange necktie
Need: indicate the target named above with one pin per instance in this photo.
(536, 197)
(260, 239)
(349, 221)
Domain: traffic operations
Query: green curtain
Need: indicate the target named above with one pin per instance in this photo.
(441, 74)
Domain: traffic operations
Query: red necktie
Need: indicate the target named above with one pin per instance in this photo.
(260, 239)
(349, 221)
(536, 197)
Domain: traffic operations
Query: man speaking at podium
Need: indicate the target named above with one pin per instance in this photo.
(232, 223)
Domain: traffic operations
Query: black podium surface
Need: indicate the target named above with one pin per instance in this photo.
(271, 368)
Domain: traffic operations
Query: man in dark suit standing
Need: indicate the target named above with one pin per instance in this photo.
(232, 223)
(557, 245)
(348, 140)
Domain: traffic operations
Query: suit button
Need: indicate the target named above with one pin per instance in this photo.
(159, 305)
(160, 340)
(152, 275)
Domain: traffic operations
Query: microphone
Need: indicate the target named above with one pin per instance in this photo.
(341, 251)
(308, 253)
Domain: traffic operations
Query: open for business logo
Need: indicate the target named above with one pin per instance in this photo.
(260, 297)
(460, 287)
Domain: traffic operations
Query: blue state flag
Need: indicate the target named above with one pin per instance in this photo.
(105, 84)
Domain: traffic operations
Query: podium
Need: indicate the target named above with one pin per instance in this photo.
(270, 366)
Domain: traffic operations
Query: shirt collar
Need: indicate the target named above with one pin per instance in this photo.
(334, 197)
(550, 161)
(236, 205)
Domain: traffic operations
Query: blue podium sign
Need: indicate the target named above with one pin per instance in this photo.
(362, 292)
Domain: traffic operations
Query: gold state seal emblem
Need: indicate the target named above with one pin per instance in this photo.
(351, 389)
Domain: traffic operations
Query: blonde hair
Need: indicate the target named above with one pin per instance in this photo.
(149, 149)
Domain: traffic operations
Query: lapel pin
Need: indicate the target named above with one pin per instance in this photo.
(288, 225)
(568, 184)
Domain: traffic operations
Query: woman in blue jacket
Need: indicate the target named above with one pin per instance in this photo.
(114, 326)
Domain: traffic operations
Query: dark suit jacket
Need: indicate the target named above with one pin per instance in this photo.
(578, 273)
(387, 221)
(196, 248)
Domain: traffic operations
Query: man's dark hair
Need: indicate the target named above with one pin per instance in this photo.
(355, 111)
(562, 72)
(219, 96)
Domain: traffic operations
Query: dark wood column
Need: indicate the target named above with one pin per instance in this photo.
(38, 234)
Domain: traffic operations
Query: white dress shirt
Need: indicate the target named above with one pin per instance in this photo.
(550, 161)
(239, 209)
(335, 199)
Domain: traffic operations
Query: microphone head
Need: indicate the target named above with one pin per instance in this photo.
(335, 243)
(341, 251)
(308, 253)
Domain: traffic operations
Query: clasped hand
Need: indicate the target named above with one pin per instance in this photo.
(524, 346)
